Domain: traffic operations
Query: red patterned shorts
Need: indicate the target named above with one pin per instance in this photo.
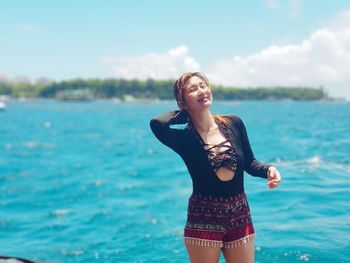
(218, 221)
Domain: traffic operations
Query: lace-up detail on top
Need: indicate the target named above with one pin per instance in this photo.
(221, 158)
(218, 157)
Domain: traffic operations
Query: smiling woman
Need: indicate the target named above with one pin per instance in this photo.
(216, 151)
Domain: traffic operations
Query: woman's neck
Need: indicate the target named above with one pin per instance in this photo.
(203, 121)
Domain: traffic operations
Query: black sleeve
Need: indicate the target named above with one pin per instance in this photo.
(252, 166)
(160, 126)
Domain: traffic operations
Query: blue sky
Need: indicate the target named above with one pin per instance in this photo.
(161, 39)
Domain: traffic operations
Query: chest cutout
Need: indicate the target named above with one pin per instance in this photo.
(221, 154)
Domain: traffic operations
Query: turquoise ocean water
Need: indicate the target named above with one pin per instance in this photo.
(88, 182)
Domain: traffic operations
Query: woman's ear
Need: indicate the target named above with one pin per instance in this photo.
(181, 105)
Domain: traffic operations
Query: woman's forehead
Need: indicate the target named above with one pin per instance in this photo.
(194, 80)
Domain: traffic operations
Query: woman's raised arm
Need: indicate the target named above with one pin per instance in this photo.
(160, 126)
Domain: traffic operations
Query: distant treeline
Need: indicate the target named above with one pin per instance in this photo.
(149, 89)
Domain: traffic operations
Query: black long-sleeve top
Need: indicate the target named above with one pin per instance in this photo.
(185, 142)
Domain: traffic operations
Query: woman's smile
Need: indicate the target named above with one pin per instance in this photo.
(203, 99)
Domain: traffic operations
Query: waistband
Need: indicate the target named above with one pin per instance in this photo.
(195, 196)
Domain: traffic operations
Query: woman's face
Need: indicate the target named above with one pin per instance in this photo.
(197, 94)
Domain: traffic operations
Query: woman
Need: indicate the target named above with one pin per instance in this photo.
(216, 151)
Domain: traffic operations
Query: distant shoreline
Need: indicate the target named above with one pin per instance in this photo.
(141, 90)
(157, 100)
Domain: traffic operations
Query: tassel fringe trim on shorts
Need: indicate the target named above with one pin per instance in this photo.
(240, 242)
(202, 242)
(213, 243)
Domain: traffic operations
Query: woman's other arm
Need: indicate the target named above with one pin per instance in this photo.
(252, 165)
(255, 167)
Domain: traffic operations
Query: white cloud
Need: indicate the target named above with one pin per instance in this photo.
(294, 8)
(3, 78)
(29, 28)
(170, 64)
(341, 21)
(271, 4)
(16, 79)
(277, 5)
(323, 59)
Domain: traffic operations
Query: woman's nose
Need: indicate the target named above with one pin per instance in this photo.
(201, 91)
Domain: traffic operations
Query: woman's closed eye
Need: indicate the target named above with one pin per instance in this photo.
(195, 87)
(192, 89)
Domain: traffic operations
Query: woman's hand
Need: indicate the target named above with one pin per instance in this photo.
(274, 177)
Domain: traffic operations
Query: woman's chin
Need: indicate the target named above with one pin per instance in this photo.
(206, 103)
(200, 106)
(204, 106)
